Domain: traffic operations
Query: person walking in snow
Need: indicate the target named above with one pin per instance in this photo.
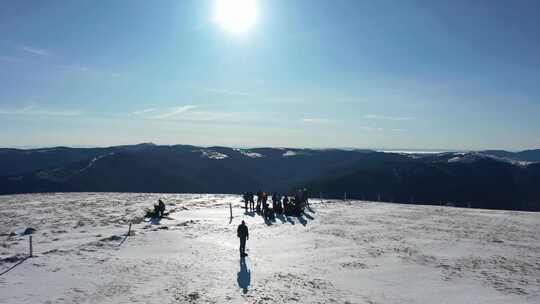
(243, 233)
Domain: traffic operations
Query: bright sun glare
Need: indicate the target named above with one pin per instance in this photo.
(235, 16)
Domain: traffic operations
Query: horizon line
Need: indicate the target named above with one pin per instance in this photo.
(389, 150)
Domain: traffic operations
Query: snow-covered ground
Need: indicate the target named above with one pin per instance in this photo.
(340, 252)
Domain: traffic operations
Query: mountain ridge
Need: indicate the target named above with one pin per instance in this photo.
(484, 179)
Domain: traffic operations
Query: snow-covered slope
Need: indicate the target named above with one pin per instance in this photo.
(250, 154)
(211, 154)
(289, 153)
(339, 252)
(471, 157)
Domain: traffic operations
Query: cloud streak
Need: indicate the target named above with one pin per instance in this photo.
(384, 117)
(371, 129)
(226, 92)
(191, 114)
(33, 110)
(314, 120)
(44, 53)
(144, 111)
(175, 111)
(379, 129)
(33, 50)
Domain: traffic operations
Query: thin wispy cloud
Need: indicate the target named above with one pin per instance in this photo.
(190, 113)
(384, 117)
(313, 120)
(372, 129)
(175, 111)
(33, 50)
(72, 67)
(226, 92)
(379, 129)
(144, 111)
(35, 110)
(228, 117)
(87, 70)
(57, 113)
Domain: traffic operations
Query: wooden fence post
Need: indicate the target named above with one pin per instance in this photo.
(31, 249)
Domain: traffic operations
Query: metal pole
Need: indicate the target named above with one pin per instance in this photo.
(230, 207)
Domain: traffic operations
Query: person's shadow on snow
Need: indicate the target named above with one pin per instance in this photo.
(244, 276)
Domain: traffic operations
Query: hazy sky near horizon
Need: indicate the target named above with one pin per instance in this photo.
(308, 73)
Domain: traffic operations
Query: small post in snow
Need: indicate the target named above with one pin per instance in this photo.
(345, 196)
(320, 195)
(31, 249)
(230, 208)
(129, 229)
(379, 197)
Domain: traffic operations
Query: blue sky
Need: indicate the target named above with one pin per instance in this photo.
(367, 74)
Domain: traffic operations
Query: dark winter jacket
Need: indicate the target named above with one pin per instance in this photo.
(242, 231)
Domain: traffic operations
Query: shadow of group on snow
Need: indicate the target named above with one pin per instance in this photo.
(302, 218)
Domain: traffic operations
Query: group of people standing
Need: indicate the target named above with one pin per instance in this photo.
(292, 205)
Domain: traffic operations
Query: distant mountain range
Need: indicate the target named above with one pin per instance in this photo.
(487, 179)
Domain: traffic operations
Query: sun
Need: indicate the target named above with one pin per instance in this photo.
(235, 16)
